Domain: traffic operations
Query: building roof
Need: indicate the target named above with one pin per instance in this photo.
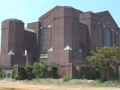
(58, 7)
(30, 30)
(105, 13)
(12, 19)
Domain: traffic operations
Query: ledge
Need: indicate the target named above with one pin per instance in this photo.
(44, 56)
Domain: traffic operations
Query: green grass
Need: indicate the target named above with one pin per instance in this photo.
(73, 83)
(66, 79)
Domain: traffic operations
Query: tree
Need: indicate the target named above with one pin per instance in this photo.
(39, 69)
(2, 74)
(104, 58)
(25, 72)
(13, 74)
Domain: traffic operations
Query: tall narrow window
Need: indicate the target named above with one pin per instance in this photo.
(115, 38)
(108, 39)
(101, 39)
(45, 40)
(81, 50)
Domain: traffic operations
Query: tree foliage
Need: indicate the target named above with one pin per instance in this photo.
(104, 57)
(2, 74)
(39, 69)
(13, 74)
(24, 73)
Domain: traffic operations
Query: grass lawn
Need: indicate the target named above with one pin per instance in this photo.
(59, 84)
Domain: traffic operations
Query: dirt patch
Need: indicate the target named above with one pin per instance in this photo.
(22, 86)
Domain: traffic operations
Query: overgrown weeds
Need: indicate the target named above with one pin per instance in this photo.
(74, 82)
(66, 79)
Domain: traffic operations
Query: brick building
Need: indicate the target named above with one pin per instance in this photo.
(63, 35)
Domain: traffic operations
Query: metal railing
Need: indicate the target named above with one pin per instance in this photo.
(22, 63)
(82, 62)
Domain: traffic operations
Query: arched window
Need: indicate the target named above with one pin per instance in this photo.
(82, 50)
(81, 47)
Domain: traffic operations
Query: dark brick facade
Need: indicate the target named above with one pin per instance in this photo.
(17, 39)
(71, 35)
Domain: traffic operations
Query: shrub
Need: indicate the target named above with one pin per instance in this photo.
(102, 79)
(56, 73)
(66, 79)
(39, 69)
(1, 75)
(96, 75)
(24, 73)
(83, 77)
(17, 77)
(13, 74)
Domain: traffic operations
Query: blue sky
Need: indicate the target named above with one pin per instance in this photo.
(30, 10)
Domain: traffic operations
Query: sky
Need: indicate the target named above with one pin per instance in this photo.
(30, 10)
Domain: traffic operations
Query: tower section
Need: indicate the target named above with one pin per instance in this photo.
(12, 42)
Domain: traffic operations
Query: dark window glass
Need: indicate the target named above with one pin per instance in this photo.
(108, 39)
(45, 40)
(81, 50)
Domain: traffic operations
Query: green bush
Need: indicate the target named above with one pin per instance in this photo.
(24, 73)
(17, 77)
(96, 75)
(0, 74)
(66, 79)
(39, 69)
(13, 74)
(119, 77)
(56, 74)
(83, 77)
(102, 79)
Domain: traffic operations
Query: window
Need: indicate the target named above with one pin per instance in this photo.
(45, 40)
(115, 38)
(101, 39)
(81, 47)
(81, 50)
(108, 39)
